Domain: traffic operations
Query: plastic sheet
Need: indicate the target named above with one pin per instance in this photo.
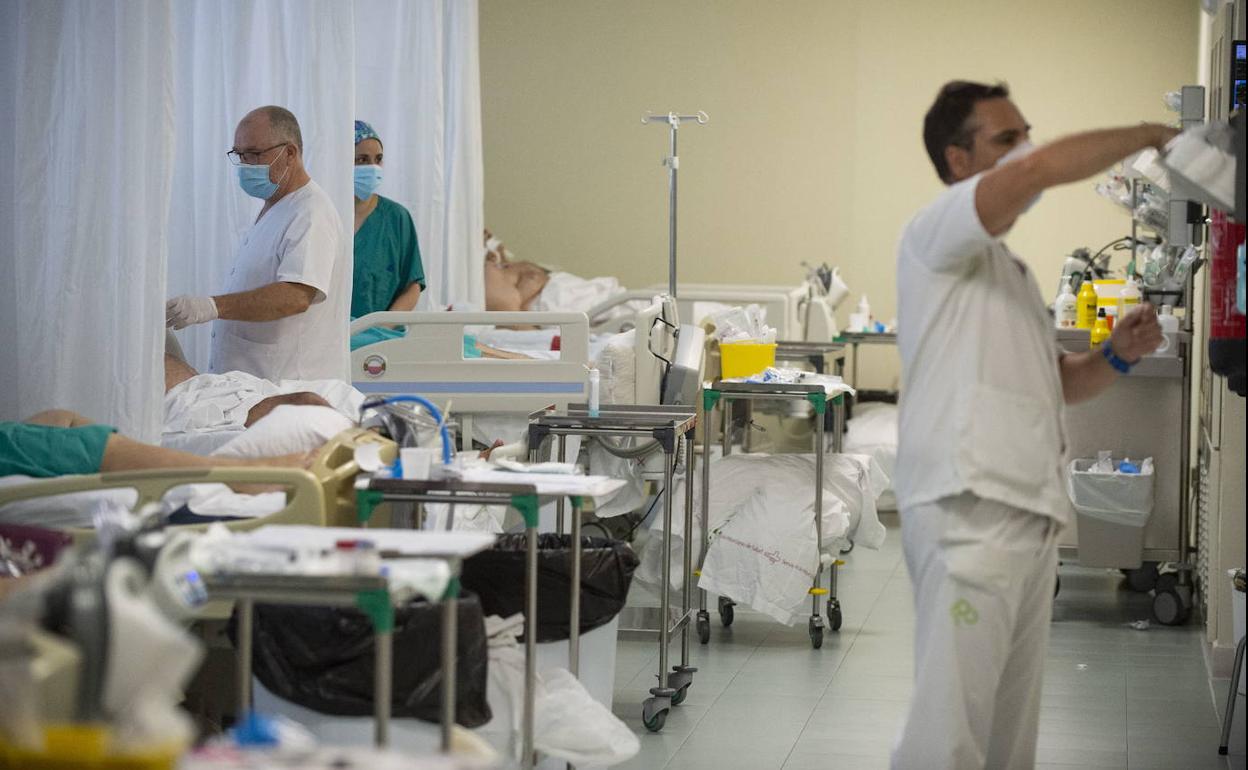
(322, 659)
(607, 567)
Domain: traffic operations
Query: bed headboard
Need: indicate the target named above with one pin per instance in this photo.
(429, 361)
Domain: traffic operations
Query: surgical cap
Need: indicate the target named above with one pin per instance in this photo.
(364, 131)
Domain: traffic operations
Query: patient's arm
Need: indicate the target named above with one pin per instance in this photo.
(58, 418)
(177, 372)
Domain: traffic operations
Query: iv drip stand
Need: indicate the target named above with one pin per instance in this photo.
(673, 164)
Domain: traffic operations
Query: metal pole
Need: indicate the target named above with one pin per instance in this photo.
(559, 504)
(450, 643)
(673, 164)
(530, 647)
(814, 599)
(574, 611)
(706, 498)
(687, 575)
(383, 682)
(665, 600)
(246, 619)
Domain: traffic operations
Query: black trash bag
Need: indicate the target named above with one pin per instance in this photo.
(321, 658)
(607, 567)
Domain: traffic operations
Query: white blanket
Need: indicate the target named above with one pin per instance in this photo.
(568, 293)
(762, 551)
(210, 403)
(873, 431)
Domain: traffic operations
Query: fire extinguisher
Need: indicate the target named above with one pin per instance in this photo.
(1226, 320)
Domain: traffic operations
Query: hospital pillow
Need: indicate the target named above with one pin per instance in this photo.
(286, 430)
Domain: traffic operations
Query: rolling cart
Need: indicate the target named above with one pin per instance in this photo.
(725, 393)
(667, 425)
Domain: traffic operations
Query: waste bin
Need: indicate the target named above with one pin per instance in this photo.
(1112, 510)
(322, 659)
(497, 577)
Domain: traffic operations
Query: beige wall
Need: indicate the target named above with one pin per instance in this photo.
(814, 150)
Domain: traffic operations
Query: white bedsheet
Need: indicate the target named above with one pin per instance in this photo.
(218, 403)
(568, 293)
(873, 431)
(762, 550)
(77, 509)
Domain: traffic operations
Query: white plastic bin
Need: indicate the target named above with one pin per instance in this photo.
(1113, 509)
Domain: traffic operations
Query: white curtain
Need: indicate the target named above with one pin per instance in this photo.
(84, 208)
(116, 192)
(418, 84)
(234, 56)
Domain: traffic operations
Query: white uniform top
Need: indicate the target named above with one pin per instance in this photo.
(981, 395)
(299, 240)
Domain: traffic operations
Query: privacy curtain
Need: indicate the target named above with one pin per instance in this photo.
(418, 84)
(233, 56)
(84, 202)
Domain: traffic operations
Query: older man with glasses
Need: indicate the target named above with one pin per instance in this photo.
(284, 311)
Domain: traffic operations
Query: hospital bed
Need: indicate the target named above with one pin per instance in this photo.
(322, 495)
(428, 360)
(798, 313)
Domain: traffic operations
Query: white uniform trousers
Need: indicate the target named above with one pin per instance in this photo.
(983, 576)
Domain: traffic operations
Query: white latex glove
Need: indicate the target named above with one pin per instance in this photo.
(186, 310)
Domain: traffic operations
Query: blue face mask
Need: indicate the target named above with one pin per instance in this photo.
(367, 179)
(255, 181)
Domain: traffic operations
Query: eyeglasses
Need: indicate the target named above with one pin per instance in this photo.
(250, 157)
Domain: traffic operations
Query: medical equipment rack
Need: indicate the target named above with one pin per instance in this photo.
(371, 492)
(814, 353)
(725, 393)
(854, 339)
(666, 425)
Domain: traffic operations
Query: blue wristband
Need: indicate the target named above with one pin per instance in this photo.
(1107, 350)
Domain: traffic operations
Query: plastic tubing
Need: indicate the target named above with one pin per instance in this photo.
(437, 414)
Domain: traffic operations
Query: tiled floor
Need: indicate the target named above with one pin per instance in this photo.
(1115, 697)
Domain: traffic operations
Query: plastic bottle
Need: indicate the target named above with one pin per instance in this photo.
(1169, 328)
(1085, 306)
(864, 311)
(1129, 298)
(1065, 307)
(1111, 315)
(594, 379)
(1100, 330)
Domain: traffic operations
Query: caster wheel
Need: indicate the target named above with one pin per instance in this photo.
(834, 615)
(1144, 578)
(725, 611)
(816, 634)
(1171, 607)
(1166, 582)
(680, 696)
(704, 627)
(656, 722)
(848, 548)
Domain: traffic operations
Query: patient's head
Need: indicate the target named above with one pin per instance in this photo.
(266, 405)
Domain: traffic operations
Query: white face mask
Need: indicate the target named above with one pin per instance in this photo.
(1020, 150)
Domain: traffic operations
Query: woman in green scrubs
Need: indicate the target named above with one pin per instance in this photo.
(388, 272)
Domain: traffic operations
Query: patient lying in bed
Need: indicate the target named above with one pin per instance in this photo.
(514, 285)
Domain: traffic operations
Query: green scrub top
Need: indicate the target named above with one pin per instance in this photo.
(43, 450)
(387, 258)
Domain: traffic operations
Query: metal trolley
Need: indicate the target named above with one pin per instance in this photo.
(667, 425)
(725, 393)
(368, 593)
(524, 498)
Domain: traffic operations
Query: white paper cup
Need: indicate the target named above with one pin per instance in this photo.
(416, 462)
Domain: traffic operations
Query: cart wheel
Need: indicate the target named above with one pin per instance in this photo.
(848, 548)
(680, 695)
(1171, 607)
(655, 723)
(725, 611)
(1144, 578)
(834, 614)
(816, 633)
(1166, 582)
(704, 627)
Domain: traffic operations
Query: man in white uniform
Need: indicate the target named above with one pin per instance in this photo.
(284, 313)
(979, 463)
